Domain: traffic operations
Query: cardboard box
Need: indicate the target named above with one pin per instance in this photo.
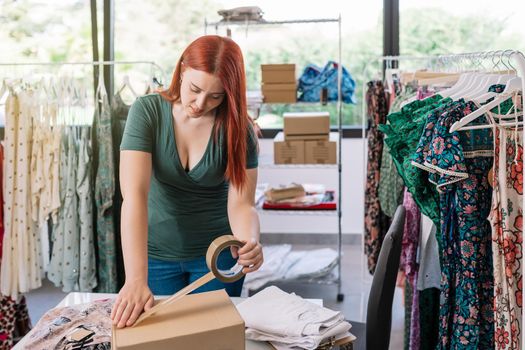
(306, 126)
(278, 73)
(321, 152)
(207, 321)
(279, 93)
(287, 152)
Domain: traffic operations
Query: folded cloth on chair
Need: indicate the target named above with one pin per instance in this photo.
(289, 321)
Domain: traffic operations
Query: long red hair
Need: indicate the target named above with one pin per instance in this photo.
(223, 58)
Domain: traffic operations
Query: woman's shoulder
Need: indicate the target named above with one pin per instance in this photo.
(151, 100)
(151, 105)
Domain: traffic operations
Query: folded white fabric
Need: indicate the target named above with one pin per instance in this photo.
(338, 331)
(289, 320)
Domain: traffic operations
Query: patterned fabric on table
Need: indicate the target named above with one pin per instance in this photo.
(460, 163)
(376, 222)
(104, 193)
(507, 240)
(86, 327)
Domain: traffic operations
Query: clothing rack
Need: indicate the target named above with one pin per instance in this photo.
(86, 63)
(152, 65)
(456, 63)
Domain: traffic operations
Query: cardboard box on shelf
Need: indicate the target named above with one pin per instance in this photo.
(321, 152)
(287, 152)
(306, 126)
(279, 93)
(278, 73)
(207, 320)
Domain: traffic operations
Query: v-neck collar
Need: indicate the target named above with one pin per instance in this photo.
(178, 162)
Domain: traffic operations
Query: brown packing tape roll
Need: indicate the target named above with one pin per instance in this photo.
(227, 276)
(216, 247)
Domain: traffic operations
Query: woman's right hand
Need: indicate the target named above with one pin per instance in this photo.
(133, 298)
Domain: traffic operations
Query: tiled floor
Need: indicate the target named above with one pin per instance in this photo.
(355, 285)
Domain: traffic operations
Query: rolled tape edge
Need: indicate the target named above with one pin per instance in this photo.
(215, 248)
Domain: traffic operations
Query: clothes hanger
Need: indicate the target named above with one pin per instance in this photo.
(513, 86)
(490, 80)
(463, 85)
(126, 83)
(463, 81)
(3, 89)
(504, 79)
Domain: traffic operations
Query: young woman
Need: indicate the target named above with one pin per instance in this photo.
(188, 173)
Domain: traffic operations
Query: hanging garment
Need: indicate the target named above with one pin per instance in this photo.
(461, 163)
(428, 285)
(119, 115)
(14, 316)
(21, 270)
(104, 193)
(403, 133)
(376, 222)
(87, 265)
(14, 321)
(409, 263)
(71, 257)
(391, 185)
(506, 217)
(429, 318)
(86, 326)
(429, 274)
(56, 265)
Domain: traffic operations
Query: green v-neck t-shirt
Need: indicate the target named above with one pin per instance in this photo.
(186, 209)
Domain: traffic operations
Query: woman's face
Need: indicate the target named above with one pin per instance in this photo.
(200, 92)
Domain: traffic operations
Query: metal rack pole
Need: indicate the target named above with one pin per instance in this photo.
(340, 295)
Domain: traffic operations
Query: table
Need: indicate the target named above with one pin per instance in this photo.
(76, 298)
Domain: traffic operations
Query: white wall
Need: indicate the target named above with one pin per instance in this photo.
(352, 186)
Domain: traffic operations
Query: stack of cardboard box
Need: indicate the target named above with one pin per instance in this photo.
(278, 83)
(306, 139)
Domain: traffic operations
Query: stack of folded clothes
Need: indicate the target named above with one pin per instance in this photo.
(288, 321)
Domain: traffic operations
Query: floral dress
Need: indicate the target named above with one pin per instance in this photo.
(506, 217)
(459, 163)
(376, 222)
(403, 132)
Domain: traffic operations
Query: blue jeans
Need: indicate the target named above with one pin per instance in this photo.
(168, 277)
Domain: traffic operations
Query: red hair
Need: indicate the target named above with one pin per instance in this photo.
(223, 58)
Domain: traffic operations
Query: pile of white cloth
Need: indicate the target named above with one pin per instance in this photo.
(288, 321)
(281, 263)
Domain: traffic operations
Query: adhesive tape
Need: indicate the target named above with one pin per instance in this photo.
(227, 276)
(216, 247)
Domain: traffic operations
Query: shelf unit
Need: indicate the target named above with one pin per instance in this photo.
(338, 166)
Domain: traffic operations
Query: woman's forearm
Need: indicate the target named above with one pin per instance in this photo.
(244, 222)
(134, 228)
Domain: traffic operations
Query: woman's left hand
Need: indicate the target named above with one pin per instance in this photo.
(250, 256)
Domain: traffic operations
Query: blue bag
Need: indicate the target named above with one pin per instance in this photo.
(314, 79)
